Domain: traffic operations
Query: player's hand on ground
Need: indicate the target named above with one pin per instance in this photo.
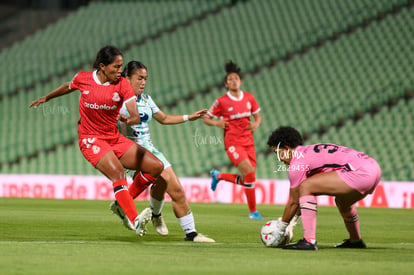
(38, 101)
(196, 115)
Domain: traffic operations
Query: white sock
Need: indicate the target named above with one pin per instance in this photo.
(156, 206)
(187, 223)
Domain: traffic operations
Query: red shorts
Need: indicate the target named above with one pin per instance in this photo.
(94, 148)
(238, 153)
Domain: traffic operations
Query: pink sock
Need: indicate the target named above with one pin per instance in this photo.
(352, 224)
(308, 210)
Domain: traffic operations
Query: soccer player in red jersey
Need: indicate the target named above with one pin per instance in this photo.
(103, 91)
(232, 112)
(323, 169)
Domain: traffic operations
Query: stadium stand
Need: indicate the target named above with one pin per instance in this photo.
(341, 71)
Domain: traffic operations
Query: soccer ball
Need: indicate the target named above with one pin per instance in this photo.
(270, 237)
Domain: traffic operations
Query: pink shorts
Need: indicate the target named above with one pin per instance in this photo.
(363, 179)
(239, 153)
(94, 148)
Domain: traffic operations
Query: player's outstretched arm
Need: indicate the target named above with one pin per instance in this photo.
(164, 118)
(59, 91)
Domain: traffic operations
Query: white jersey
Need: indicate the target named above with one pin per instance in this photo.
(146, 107)
(140, 133)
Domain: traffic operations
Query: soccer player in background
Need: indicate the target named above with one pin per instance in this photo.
(232, 112)
(102, 93)
(136, 73)
(323, 169)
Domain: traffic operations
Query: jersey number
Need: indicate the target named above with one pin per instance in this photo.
(325, 146)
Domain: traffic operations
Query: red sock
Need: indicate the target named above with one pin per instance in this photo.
(124, 199)
(228, 177)
(308, 210)
(140, 183)
(250, 191)
(352, 224)
(251, 198)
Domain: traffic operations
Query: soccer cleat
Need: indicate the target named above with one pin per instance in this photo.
(159, 225)
(117, 210)
(198, 238)
(255, 216)
(214, 180)
(141, 221)
(302, 245)
(351, 244)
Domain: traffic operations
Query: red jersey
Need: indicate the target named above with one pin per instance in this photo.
(236, 111)
(99, 104)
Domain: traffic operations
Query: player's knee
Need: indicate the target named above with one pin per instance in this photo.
(305, 188)
(250, 178)
(176, 192)
(342, 206)
(156, 168)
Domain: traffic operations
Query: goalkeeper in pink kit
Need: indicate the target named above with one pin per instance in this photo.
(323, 169)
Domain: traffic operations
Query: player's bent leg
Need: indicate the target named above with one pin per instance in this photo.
(140, 159)
(176, 191)
(248, 172)
(111, 167)
(346, 207)
(182, 209)
(148, 167)
(321, 184)
(324, 184)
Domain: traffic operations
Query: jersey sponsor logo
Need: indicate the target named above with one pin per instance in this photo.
(95, 106)
(144, 117)
(240, 115)
(249, 105)
(116, 97)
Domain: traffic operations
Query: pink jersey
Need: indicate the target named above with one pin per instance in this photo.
(237, 111)
(99, 104)
(323, 157)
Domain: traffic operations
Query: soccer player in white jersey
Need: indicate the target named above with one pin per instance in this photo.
(136, 73)
(232, 112)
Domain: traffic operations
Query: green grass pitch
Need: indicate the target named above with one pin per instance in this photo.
(39, 236)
